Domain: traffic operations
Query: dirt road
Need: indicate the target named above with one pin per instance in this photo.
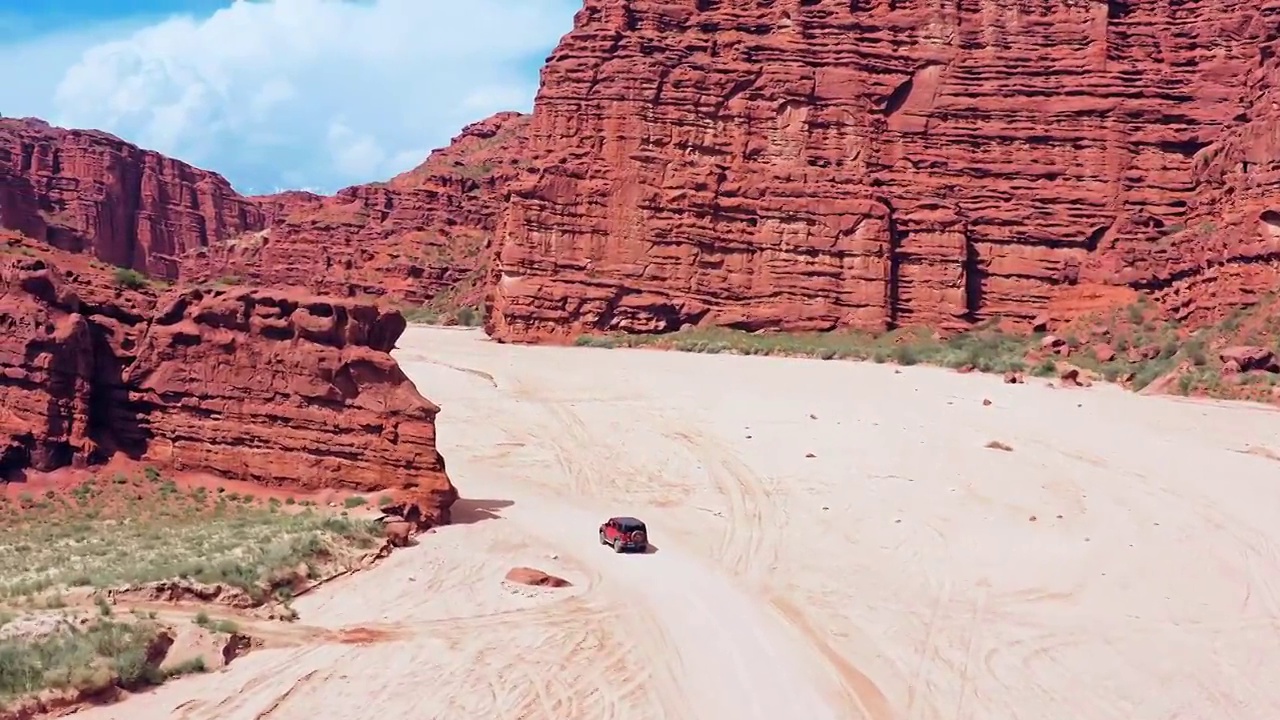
(833, 540)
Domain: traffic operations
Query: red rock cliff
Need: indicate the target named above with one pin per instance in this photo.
(423, 237)
(817, 164)
(88, 191)
(1225, 254)
(264, 386)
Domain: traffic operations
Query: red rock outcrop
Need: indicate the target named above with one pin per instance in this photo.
(1225, 255)
(821, 164)
(265, 386)
(535, 577)
(422, 237)
(89, 191)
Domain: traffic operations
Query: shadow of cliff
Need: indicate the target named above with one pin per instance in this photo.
(116, 422)
(467, 511)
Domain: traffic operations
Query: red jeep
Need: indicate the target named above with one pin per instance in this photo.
(624, 533)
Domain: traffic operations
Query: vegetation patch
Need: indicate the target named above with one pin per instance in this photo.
(983, 349)
(130, 278)
(466, 316)
(60, 546)
(86, 660)
(1130, 345)
(126, 530)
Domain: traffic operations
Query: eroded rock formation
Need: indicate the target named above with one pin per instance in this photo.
(819, 164)
(1225, 255)
(780, 164)
(89, 191)
(422, 237)
(266, 386)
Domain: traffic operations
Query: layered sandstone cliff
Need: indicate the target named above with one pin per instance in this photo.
(819, 164)
(424, 237)
(263, 386)
(88, 191)
(1225, 255)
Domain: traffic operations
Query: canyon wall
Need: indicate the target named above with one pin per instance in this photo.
(265, 386)
(823, 164)
(766, 164)
(89, 191)
(1225, 254)
(424, 237)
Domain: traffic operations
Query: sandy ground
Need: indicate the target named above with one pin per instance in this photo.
(833, 540)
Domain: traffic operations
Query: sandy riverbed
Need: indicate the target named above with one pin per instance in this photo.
(833, 541)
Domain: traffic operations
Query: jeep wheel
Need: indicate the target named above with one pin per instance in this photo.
(617, 546)
(602, 540)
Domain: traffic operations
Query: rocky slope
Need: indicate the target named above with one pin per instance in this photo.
(820, 164)
(88, 191)
(265, 386)
(421, 238)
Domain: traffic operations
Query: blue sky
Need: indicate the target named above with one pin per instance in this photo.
(278, 94)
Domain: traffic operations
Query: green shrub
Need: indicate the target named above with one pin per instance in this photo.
(469, 316)
(97, 656)
(421, 315)
(130, 278)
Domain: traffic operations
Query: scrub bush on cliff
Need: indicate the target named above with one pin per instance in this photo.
(129, 278)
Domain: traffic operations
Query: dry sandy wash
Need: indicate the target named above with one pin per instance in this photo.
(833, 541)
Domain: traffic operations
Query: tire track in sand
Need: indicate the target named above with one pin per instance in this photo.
(749, 544)
(748, 547)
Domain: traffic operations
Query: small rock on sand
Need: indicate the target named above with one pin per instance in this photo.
(536, 578)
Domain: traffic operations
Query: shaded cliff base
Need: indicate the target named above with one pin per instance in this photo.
(1235, 358)
(90, 563)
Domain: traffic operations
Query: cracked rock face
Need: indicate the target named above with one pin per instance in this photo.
(271, 387)
(821, 164)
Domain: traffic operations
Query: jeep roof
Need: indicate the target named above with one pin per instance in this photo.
(627, 523)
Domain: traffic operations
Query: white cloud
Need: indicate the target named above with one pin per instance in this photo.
(323, 93)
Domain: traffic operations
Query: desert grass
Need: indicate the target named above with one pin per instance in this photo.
(122, 530)
(987, 349)
(222, 626)
(421, 315)
(466, 316)
(130, 278)
(984, 350)
(87, 659)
